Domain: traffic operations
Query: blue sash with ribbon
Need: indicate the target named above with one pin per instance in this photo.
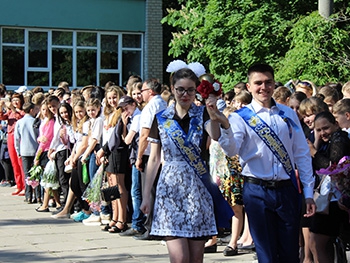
(223, 211)
(270, 138)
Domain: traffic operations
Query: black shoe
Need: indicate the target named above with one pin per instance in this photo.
(44, 210)
(144, 236)
(115, 229)
(249, 247)
(211, 249)
(230, 251)
(131, 232)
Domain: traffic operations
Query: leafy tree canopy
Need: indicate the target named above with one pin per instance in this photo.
(227, 36)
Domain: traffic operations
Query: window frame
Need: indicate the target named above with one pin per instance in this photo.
(74, 47)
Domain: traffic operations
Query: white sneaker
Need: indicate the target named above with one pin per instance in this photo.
(105, 218)
(93, 220)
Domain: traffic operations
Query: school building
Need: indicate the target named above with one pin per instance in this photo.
(83, 42)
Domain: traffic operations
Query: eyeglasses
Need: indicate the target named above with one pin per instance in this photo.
(181, 91)
(143, 90)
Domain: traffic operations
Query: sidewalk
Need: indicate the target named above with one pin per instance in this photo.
(29, 236)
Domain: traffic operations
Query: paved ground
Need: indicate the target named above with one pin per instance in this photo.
(29, 236)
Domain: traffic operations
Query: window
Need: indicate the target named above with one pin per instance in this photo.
(40, 57)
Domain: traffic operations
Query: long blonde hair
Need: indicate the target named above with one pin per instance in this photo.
(111, 111)
(78, 124)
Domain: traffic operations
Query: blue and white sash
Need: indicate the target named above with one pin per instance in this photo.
(223, 211)
(272, 141)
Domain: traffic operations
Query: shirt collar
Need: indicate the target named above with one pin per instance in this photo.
(257, 107)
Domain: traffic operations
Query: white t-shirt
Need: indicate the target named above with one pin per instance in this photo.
(96, 128)
(79, 135)
(155, 105)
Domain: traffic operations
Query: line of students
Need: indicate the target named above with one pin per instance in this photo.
(265, 177)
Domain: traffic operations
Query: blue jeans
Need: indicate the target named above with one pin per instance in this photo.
(92, 166)
(136, 196)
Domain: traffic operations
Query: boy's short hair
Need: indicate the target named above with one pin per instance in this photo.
(38, 98)
(64, 85)
(52, 98)
(346, 87)
(329, 93)
(261, 68)
(281, 94)
(342, 106)
(28, 106)
(244, 97)
(312, 105)
(239, 87)
(37, 89)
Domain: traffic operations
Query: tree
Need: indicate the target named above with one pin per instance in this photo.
(229, 36)
(319, 51)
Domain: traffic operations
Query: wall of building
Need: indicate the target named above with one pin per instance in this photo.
(153, 63)
(99, 15)
(121, 15)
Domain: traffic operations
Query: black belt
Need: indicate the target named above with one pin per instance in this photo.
(268, 183)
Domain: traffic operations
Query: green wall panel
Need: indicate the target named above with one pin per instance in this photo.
(111, 15)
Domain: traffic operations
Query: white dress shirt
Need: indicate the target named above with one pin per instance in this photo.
(256, 158)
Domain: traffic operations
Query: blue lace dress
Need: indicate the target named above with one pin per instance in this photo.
(183, 206)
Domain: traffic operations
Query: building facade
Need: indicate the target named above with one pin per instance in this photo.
(82, 42)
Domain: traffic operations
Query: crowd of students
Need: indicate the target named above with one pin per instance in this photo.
(121, 128)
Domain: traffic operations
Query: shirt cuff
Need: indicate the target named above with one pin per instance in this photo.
(308, 192)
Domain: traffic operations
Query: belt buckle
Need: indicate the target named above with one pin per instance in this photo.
(271, 184)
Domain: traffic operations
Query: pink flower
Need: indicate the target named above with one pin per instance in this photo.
(32, 183)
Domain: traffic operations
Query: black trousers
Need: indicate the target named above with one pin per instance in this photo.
(63, 177)
(77, 185)
(8, 171)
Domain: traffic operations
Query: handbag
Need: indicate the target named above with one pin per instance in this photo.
(109, 193)
(68, 168)
(322, 200)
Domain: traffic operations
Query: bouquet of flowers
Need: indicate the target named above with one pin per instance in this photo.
(92, 194)
(340, 177)
(209, 85)
(35, 173)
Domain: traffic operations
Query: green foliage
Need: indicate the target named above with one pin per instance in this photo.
(227, 36)
(319, 51)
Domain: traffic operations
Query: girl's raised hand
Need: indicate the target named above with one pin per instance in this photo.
(213, 111)
(125, 116)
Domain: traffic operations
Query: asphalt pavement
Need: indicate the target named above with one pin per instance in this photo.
(29, 236)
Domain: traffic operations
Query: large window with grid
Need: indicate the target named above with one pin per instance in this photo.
(41, 57)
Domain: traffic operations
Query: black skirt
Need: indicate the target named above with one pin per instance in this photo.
(118, 160)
